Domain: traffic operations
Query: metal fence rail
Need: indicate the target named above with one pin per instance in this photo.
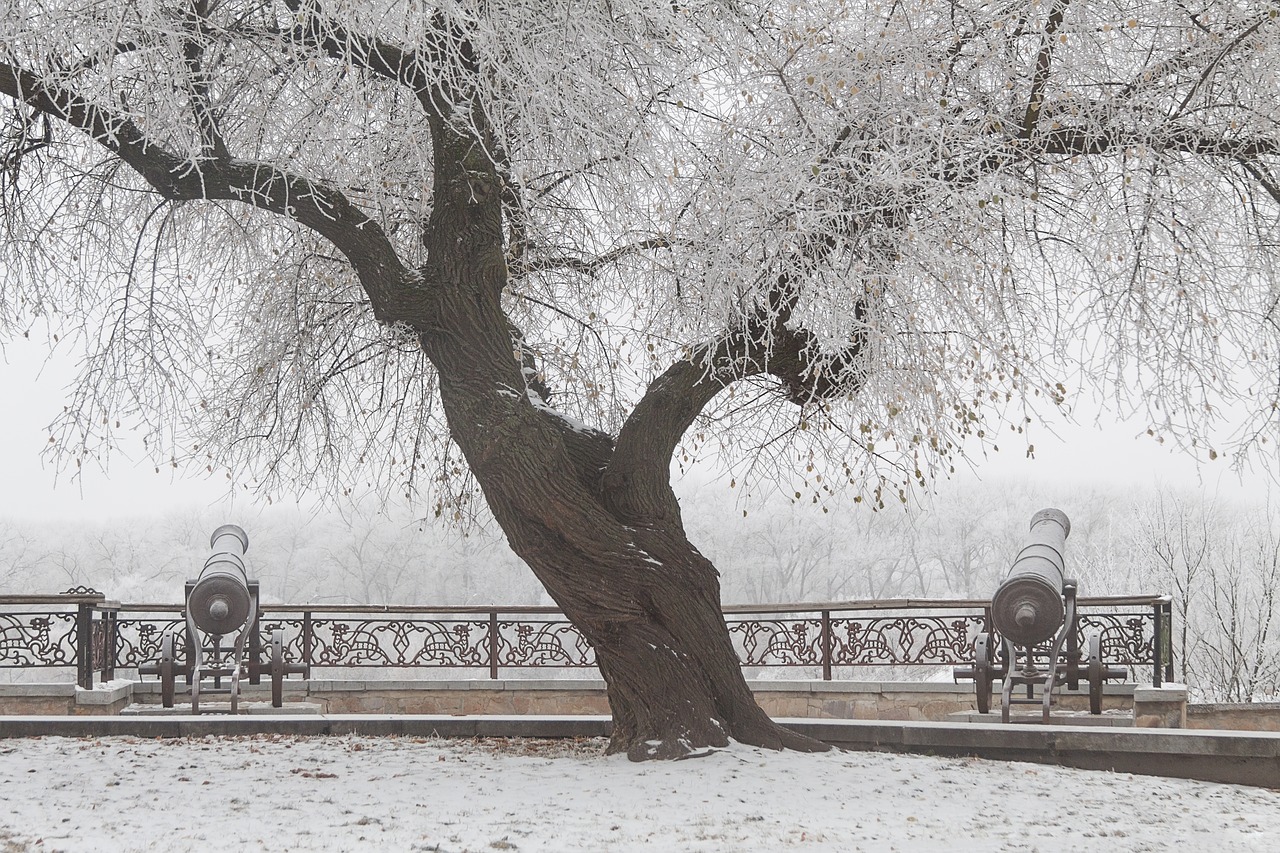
(81, 629)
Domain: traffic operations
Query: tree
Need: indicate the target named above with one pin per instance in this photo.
(1223, 565)
(833, 239)
(1178, 541)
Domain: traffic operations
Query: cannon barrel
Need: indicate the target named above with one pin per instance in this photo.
(220, 601)
(1028, 607)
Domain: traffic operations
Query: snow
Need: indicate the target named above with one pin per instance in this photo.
(114, 684)
(273, 792)
(572, 423)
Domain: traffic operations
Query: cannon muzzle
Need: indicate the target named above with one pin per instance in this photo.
(220, 601)
(1028, 607)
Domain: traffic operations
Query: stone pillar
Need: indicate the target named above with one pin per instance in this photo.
(1160, 707)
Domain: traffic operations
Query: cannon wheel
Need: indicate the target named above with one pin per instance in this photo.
(1097, 674)
(277, 668)
(166, 669)
(982, 668)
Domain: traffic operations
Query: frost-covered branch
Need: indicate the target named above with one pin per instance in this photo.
(1044, 62)
(377, 55)
(262, 185)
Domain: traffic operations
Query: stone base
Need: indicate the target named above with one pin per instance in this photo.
(1112, 718)
(1160, 707)
(223, 707)
(849, 700)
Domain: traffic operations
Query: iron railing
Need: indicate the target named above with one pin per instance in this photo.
(74, 629)
(83, 630)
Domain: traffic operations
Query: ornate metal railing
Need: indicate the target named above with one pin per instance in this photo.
(74, 629)
(96, 636)
(1135, 632)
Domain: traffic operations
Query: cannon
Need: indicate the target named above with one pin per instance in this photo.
(1035, 641)
(221, 601)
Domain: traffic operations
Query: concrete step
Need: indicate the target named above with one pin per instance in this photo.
(183, 709)
(1116, 718)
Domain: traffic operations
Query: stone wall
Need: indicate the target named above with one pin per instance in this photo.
(63, 699)
(884, 700)
(874, 700)
(1245, 716)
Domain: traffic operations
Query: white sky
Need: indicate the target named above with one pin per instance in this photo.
(1117, 454)
(34, 393)
(357, 793)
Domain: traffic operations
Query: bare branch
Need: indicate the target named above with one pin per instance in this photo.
(637, 480)
(1041, 77)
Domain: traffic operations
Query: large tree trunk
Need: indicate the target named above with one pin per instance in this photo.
(603, 534)
(650, 605)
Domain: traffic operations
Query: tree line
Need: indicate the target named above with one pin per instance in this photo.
(1218, 557)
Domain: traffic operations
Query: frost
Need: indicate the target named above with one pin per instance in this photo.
(646, 556)
(953, 236)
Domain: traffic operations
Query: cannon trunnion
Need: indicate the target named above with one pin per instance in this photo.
(1033, 608)
(221, 601)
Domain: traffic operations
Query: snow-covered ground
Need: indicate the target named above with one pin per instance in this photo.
(360, 793)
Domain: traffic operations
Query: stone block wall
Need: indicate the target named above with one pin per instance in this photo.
(1244, 716)
(63, 699)
(887, 700)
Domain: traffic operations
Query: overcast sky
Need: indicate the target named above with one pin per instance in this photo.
(34, 393)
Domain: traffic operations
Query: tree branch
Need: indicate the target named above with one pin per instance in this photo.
(590, 266)
(321, 208)
(1268, 183)
(1069, 141)
(447, 46)
(1041, 77)
(212, 141)
(637, 482)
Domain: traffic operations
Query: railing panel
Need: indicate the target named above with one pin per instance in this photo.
(857, 634)
(554, 643)
(777, 642)
(1128, 638)
(38, 639)
(387, 641)
(138, 638)
(905, 640)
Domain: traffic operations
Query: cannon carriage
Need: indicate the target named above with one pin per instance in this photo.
(222, 601)
(1035, 644)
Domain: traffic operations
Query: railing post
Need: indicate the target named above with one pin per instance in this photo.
(110, 638)
(826, 645)
(255, 641)
(308, 642)
(493, 644)
(1157, 643)
(84, 645)
(1168, 642)
(1073, 652)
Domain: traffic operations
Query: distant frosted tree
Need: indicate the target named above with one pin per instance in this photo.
(1221, 564)
(547, 247)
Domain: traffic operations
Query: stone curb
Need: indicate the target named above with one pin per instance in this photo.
(1242, 758)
